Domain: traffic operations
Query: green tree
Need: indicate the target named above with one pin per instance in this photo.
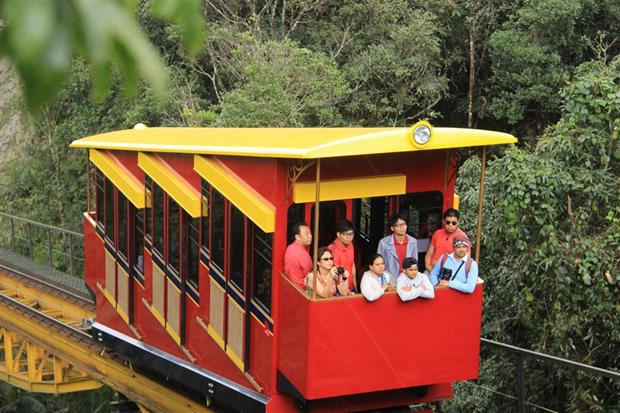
(551, 246)
(284, 85)
(42, 38)
(534, 52)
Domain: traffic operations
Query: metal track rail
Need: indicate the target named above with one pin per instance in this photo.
(77, 347)
(49, 287)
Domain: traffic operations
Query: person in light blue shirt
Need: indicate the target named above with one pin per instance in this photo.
(456, 270)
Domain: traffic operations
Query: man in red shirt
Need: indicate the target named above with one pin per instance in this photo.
(441, 242)
(343, 251)
(297, 261)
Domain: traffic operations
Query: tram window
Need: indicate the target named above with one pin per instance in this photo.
(148, 195)
(99, 184)
(138, 241)
(295, 214)
(174, 228)
(423, 213)
(205, 220)
(370, 216)
(330, 212)
(236, 255)
(217, 229)
(261, 267)
(109, 211)
(192, 251)
(121, 209)
(158, 220)
(420, 209)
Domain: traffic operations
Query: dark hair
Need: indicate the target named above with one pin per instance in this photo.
(322, 251)
(373, 257)
(296, 228)
(409, 261)
(451, 212)
(394, 219)
(344, 225)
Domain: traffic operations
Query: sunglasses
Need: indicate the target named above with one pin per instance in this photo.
(327, 259)
(452, 223)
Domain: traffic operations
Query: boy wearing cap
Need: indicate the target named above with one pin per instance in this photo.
(456, 270)
(412, 284)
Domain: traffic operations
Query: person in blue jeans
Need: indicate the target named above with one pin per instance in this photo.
(456, 270)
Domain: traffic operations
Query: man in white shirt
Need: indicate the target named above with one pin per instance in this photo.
(412, 284)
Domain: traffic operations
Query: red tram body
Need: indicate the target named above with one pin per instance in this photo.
(184, 251)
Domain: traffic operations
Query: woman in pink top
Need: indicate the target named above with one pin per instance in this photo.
(328, 281)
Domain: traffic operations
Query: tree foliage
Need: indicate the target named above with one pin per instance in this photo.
(43, 38)
(545, 70)
(551, 242)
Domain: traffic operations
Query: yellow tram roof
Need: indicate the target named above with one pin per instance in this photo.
(302, 143)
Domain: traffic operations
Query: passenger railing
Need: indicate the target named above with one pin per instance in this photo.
(346, 345)
(58, 248)
(521, 357)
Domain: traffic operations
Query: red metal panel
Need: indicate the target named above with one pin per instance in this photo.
(93, 255)
(259, 173)
(129, 159)
(261, 342)
(184, 166)
(207, 353)
(349, 346)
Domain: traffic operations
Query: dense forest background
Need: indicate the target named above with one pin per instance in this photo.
(547, 71)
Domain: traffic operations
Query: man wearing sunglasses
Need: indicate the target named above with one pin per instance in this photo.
(442, 239)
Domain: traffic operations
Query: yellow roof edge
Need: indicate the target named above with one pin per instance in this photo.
(120, 176)
(176, 186)
(236, 190)
(294, 143)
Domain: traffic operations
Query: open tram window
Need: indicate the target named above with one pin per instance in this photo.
(261, 250)
(370, 217)
(330, 212)
(217, 229)
(423, 213)
(236, 254)
(158, 220)
(110, 230)
(121, 208)
(174, 228)
(296, 214)
(192, 248)
(100, 197)
(206, 216)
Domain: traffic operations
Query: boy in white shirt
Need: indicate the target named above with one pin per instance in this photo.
(412, 284)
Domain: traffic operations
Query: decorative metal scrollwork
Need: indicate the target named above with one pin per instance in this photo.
(296, 167)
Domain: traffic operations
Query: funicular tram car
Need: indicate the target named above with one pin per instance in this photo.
(184, 252)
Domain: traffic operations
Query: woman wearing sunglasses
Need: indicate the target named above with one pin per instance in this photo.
(329, 281)
(441, 241)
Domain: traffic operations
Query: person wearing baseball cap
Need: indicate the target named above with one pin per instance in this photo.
(457, 269)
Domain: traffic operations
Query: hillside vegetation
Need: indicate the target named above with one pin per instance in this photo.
(547, 71)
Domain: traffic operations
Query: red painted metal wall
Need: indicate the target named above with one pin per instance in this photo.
(349, 345)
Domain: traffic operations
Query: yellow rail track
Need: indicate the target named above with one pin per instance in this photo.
(37, 325)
